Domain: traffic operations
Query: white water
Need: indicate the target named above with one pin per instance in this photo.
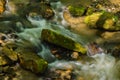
(102, 68)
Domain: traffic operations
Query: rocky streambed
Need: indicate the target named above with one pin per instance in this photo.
(59, 40)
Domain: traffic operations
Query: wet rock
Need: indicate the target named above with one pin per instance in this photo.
(32, 62)
(94, 48)
(92, 19)
(76, 11)
(8, 55)
(46, 10)
(90, 10)
(61, 40)
(61, 53)
(12, 55)
(107, 21)
(4, 60)
(12, 26)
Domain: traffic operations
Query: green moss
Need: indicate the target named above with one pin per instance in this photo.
(12, 55)
(61, 40)
(76, 11)
(91, 20)
(90, 11)
(108, 21)
(105, 16)
(103, 20)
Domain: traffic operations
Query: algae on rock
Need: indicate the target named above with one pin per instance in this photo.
(12, 55)
(61, 40)
(103, 20)
(32, 62)
(76, 11)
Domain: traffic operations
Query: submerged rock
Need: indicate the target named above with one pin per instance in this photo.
(92, 19)
(7, 56)
(61, 40)
(107, 21)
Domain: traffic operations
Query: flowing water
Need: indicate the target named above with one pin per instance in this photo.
(102, 67)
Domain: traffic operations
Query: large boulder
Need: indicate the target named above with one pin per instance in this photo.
(61, 40)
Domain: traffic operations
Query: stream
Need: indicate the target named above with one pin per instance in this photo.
(101, 67)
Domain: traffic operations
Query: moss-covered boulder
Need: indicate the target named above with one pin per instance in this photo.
(76, 11)
(27, 58)
(107, 21)
(92, 19)
(32, 62)
(7, 55)
(103, 20)
(61, 40)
